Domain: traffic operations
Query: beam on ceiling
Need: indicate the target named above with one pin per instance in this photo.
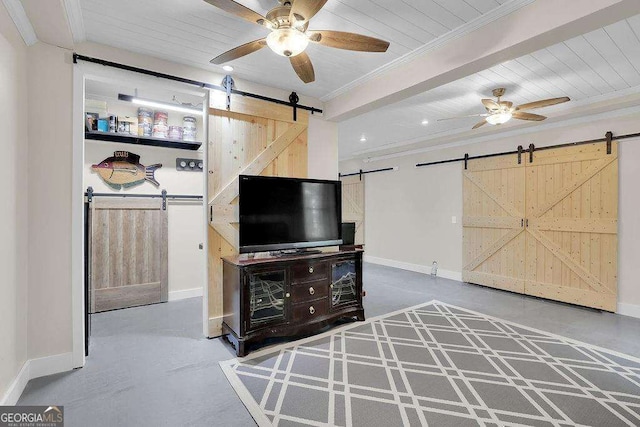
(528, 29)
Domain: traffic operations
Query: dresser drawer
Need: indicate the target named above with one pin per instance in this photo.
(310, 310)
(309, 291)
(309, 272)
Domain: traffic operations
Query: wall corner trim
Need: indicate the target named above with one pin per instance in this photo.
(424, 269)
(35, 368)
(631, 310)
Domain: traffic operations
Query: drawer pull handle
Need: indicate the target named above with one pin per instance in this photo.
(310, 270)
(287, 295)
(312, 310)
(312, 291)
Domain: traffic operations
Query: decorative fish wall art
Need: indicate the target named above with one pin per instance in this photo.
(124, 170)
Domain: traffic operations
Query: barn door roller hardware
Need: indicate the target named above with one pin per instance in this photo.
(229, 90)
(90, 194)
(608, 139)
(361, 172)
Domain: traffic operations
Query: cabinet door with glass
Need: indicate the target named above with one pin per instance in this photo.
(343, 284)
(267, 298)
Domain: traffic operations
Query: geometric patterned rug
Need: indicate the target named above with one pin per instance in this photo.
(437, 365)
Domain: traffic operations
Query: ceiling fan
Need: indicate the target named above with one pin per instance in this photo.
(289, 37)
(500, 112)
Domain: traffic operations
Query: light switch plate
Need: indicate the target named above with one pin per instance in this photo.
(454, 220)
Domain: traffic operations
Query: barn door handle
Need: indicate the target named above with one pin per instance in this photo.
(522, 222)
(526, 222)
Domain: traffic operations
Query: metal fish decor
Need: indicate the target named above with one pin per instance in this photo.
(124, 170)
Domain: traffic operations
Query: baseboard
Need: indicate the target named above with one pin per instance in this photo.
(16, 388)
(631, 310)
(35, 368)
(424, 269)
(184, 294)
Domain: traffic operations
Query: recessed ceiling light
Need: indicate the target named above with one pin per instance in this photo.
(363, 138)
(227, 68)
(425, 122)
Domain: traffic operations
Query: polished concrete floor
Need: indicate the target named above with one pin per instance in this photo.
(150, 366)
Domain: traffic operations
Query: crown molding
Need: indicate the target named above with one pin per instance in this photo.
(482, 20)
(74, 18)
(21, 20)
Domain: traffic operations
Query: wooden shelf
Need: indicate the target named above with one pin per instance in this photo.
(142, 140)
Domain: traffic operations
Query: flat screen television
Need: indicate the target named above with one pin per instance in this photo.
(289, 213)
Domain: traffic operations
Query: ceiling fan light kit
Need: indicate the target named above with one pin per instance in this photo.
(287, 41)
(289, 37)
(499, 118)
(500, 112)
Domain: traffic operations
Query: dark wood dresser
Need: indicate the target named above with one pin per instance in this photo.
(290, 295)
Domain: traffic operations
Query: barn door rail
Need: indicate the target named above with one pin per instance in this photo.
(90, 194)
(226, 87)
(608, 139)
(361, 172)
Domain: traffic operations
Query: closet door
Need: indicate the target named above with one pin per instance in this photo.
(129, 253)
(572, 211)
(493, 223)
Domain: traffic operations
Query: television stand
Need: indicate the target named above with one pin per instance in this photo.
(294, 252)
(289, 296)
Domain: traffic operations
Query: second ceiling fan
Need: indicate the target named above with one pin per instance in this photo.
(289, 37)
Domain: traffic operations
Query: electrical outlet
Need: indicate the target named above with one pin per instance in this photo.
(454, 220)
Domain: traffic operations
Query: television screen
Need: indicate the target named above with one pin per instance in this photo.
(289, 213)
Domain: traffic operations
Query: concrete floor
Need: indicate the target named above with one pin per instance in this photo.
(150, 366)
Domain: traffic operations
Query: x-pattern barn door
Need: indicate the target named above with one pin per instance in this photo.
(555, 235)
(493, 239)
(257, 138)
(353, 204)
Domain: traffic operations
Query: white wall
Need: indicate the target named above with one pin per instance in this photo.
(50, 165)
(408, 212)
(13, 209)
(322, 148)
(186, 260)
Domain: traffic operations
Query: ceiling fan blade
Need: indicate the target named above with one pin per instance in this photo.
(506, 104)
(348, 41)
(528, 116)
(490, 104)
(482, 123)
(542, 103)
(241, 11)
(239, 51)
(304, 10)
(462, 117)
(303, 67)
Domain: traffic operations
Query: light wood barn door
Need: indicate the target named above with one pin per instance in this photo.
(572, 211)
(255, 138)
(353, 204)
(493, 219)
(128, 253)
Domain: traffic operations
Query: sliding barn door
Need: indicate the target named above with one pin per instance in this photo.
(353, 204)
(255, 138)
(546, 227)
(493, 232)
(128, 253)
(572, 212)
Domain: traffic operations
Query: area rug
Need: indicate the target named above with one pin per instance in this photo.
(437, 365)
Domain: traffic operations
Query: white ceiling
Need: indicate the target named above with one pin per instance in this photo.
(192, 32)
(601, 64)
